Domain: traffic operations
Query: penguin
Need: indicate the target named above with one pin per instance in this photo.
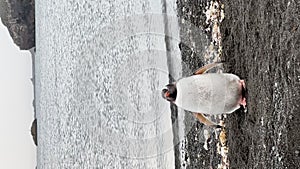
(207, 93)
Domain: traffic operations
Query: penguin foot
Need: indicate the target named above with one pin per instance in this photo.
(243, 99)
(243, 102)
(218, 126)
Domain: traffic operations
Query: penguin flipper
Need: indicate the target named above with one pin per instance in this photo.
(205, 68)
(206, 121)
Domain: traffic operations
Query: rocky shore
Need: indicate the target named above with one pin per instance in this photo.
(260, 43)
(19, 18)
(196, 36)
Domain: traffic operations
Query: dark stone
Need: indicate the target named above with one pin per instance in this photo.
(34, 131)
(19, 18)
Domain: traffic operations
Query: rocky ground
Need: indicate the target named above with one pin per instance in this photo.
(19, 18)
(261, 44)
(195, 38)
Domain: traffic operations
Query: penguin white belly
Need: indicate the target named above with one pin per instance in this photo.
(211, 93)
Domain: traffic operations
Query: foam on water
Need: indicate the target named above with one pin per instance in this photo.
(100, 68)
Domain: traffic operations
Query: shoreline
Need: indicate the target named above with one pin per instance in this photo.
(196, 38)
(260, 43)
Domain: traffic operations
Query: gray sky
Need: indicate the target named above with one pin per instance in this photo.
(17, 149)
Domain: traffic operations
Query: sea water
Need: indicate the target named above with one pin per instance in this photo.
(100, 67)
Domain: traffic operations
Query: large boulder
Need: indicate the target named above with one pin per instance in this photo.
(18, 17)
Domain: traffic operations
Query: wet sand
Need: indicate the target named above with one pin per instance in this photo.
(261, 44)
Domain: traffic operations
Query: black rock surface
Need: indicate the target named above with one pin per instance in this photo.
(19, 18)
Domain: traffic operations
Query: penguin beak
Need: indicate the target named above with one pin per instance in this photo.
(167, 94)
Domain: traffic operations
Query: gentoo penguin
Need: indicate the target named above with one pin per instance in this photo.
(210, 93)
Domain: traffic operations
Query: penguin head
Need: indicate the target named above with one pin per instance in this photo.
(169, 93)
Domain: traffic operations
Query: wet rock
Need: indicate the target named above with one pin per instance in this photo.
(19, 18)
(195, 38)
